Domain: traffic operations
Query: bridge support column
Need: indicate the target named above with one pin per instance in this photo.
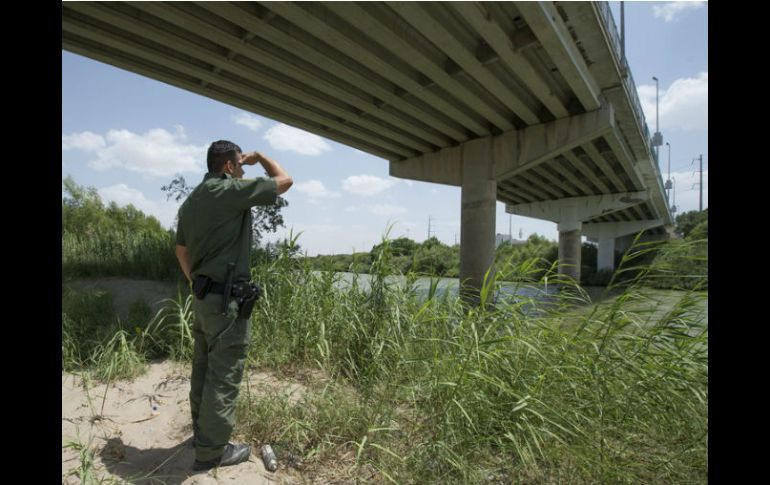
(615, 237)
(477, 229)
(606, 256)
(569, 248)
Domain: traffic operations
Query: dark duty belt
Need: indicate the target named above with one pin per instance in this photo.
(238, 288)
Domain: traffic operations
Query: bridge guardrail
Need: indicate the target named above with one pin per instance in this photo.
(605, 16)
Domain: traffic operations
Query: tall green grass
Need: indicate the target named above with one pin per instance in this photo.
(116, 253)
(443, 393)
(95, 340)
(421, 389)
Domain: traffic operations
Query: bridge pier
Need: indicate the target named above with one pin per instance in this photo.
(606, 254)
(568, 214)
(569, 248)
(477, 229)
(616, 236)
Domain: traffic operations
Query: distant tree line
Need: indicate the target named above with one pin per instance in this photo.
(434, 258)
(107, 240)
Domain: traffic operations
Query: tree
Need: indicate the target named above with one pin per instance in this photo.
(82, 211)
(402, 246)
(265, 218)
(686, 221)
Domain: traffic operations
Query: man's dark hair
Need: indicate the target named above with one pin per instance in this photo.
(219, 153)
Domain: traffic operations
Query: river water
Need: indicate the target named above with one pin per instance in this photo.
(443, 285)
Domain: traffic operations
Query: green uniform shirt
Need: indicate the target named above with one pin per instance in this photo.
(215, 223)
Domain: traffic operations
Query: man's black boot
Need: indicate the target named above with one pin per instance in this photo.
(233, 454)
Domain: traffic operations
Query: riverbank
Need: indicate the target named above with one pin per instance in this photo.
(427, 391)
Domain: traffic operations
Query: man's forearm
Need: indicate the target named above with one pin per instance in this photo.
(274, 170)
(272, 167)
(184, 260)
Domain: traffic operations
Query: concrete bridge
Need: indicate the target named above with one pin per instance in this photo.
(527, 103)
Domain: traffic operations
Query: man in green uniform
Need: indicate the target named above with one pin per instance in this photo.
(214, 233)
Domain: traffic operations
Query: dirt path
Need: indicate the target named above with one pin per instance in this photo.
(132, 443)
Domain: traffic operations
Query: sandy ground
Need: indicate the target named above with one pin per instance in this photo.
(131, 443)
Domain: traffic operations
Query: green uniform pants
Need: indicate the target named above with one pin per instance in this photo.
(219, 354)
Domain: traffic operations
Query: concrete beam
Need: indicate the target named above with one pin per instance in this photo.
(545, 21)
(337, 73)
(604, 166)
(417, 14)
(350, 120)
(578, 208)
(476, 14)
(297, 15)
(407, 43)
(589, 174)
(514, 151)
(565, 170)
(626, 159)
(604, 230)
(441, 167)
(517, 151)
(114, 58)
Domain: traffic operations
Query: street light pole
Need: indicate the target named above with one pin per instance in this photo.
(668, 181)
(657, 122)
(673, 206)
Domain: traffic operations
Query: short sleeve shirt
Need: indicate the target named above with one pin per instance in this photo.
(215, 223)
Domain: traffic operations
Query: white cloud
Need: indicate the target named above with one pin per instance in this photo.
(123, 195)
(673, 11)
(86, 141)
(683, 105)
(314, 189)
(386, 209)
(367, 184)
(286, 138)
(248, 120)
(156, 153)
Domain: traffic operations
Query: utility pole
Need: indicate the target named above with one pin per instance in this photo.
(700, 184)
(429, 231)
(510, 236)
(700, 205)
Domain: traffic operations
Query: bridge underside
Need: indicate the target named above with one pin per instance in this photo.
(529, 96)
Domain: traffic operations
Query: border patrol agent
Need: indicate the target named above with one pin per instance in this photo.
(213, 246)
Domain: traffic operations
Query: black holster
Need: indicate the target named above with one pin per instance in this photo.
(201, 286)
(246, 295)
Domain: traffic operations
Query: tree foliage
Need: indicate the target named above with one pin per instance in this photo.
(84, 214)
(99, 240)
(686, 221)
(266, 218)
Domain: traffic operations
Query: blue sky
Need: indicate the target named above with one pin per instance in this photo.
(128, 135)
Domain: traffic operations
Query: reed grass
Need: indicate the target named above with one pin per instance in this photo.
(422, 389)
